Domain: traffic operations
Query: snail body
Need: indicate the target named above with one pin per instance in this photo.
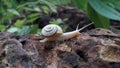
(54, 32)
(62, 37)
(68, 35)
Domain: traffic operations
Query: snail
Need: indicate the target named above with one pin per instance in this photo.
(54, 32)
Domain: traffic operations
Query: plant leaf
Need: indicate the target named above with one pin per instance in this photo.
(33, 15)
(112, 3)
(19, 23)
(81, 4)
(46, 9)
(50, 5)
(28, 29)
(104, 9)
(98, 20)
(37, 9)
(13, 11)
(24, 30)
(2, 27)
(13, 29)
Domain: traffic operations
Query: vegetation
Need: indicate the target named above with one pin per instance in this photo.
(100, 11)
(24, 12)
(16, 15)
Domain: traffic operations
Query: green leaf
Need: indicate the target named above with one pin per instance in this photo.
(39, 31)
(34, 29)
(81, 4)
(13, 29)
(2, 27)
(31, 20)
(13, 11)
(32, 17)
(52, 6)
(19, 23)
(28, 29)
(37, 9)
(24, 30)
(116, 4)
(46, 9)
(65, 1)
(104, 9)
(57, 22)
(98, 20)
(112, 3)
(62, 2)
(27, 9)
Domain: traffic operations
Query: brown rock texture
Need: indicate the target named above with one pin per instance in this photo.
(84, 51)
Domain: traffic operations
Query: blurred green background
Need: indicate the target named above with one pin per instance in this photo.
(19, 16)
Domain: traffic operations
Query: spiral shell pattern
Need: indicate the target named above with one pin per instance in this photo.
(51, 29)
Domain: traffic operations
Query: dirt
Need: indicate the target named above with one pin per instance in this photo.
(84, 51)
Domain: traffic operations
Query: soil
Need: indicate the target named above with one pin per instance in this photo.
(93, 48)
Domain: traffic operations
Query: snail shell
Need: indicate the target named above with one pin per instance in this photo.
(54, 32)
(51, 29)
